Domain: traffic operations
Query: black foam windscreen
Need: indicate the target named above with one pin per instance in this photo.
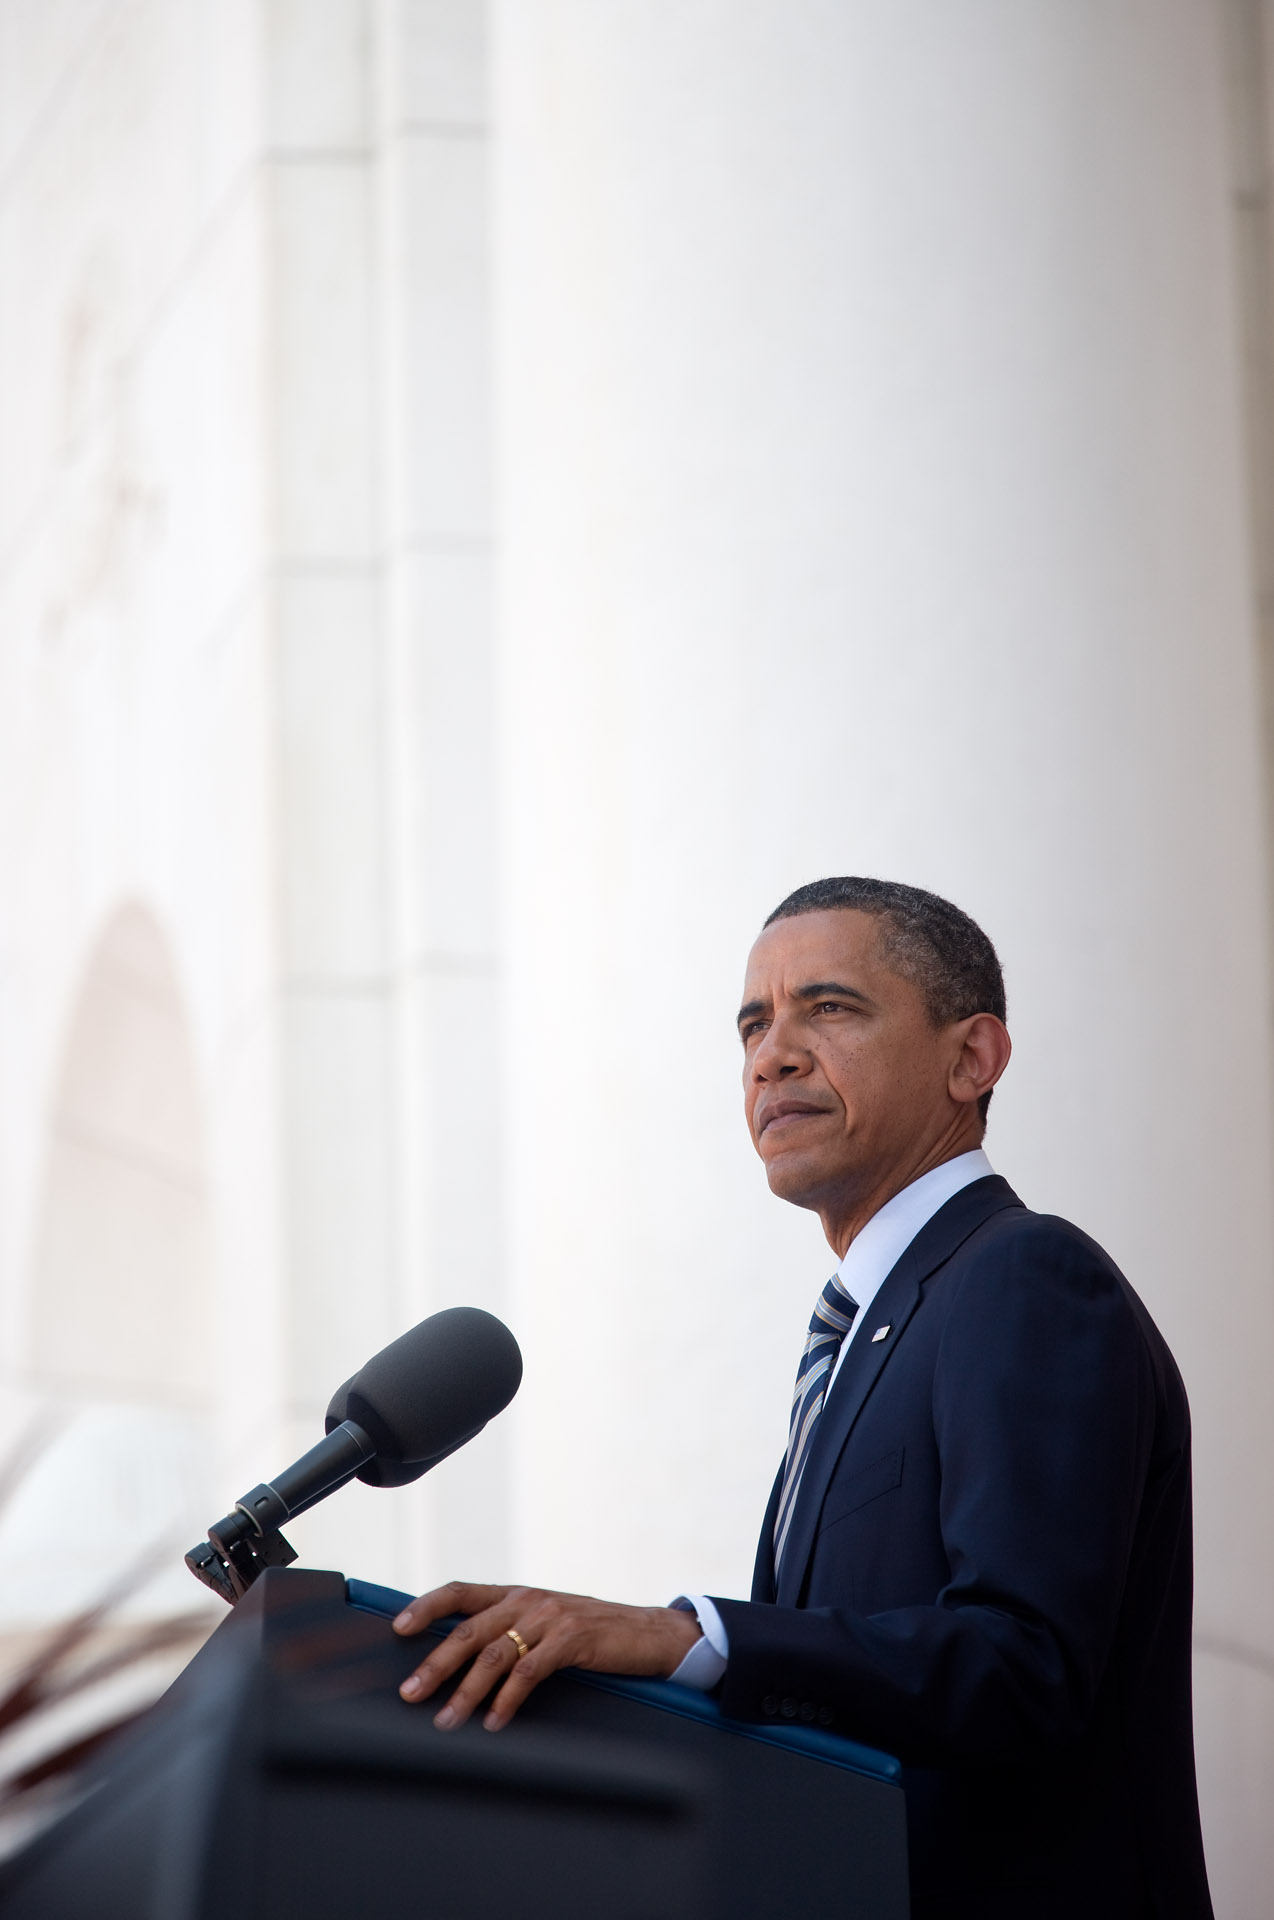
(429, 1391)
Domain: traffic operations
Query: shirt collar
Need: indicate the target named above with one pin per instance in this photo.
(877, 1248)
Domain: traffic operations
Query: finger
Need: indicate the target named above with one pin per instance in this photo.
(490, 1666)
(464, 1642)
(461, 1645)
(546, 1621)
(522, 1681)
(458, 1596)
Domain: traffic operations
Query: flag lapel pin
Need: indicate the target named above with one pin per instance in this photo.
(881, 1333)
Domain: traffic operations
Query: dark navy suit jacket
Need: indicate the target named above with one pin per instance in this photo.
(989, 1574)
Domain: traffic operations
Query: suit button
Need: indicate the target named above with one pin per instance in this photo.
(788, 1709)
(825, 1716)
(807, 1711)
(770, 1704)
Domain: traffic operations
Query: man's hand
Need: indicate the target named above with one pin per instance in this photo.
(557, 1629)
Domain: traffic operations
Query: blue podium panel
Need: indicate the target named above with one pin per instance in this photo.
(282, 1776)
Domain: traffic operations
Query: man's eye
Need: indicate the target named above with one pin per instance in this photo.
(751, 1030)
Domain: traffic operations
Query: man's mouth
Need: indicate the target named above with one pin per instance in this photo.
(786, 1113)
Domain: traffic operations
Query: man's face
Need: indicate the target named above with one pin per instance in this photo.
(845, 1079)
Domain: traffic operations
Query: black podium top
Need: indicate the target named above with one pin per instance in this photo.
(690, 1704)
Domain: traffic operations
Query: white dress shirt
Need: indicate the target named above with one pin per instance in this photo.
(870, 1258)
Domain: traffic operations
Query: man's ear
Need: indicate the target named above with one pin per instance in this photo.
(983, 1055)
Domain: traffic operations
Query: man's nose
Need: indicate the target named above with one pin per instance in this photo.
(779, 1054)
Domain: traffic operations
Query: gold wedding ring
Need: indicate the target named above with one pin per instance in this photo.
(513, 1634)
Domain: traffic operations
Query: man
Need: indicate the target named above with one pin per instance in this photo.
(977, 1551)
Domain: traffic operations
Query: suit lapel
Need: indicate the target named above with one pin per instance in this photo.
(866, 1360)
(763, 1571)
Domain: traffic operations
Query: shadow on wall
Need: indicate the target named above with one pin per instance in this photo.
(120, 1297)
(119, 1327)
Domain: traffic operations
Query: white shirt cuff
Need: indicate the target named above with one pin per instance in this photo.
(705, 1663)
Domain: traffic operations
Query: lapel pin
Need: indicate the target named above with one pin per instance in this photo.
(881, 1332)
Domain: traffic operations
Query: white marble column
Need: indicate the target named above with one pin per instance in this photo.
(874, 502)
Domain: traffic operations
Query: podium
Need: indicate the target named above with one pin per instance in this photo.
(282, 1776)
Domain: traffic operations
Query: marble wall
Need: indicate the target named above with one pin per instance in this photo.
(246, 693)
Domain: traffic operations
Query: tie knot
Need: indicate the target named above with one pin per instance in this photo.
(834, 1311)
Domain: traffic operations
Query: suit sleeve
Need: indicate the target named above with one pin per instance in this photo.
(1043, 1414)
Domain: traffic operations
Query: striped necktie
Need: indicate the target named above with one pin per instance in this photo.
(831, 1320)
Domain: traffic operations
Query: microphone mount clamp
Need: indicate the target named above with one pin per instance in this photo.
(235, 1554)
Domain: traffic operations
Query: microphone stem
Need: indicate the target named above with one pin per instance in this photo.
(336, 1459)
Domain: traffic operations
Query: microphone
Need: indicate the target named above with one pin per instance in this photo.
(413, 1403)
(428, 1393)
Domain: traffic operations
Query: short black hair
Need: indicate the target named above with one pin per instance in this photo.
(930, 942)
